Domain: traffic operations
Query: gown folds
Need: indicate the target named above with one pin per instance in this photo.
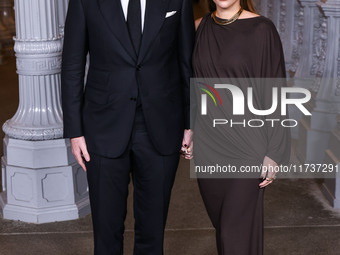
(247, 48)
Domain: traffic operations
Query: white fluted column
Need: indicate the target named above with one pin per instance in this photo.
(42, 182)
(62, 10)
(38, 48)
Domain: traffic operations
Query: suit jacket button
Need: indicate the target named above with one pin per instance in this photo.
(133, 99)
(138, 67)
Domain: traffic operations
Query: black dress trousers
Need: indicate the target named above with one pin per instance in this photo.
(153, 176)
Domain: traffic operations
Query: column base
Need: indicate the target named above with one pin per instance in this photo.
(41, 182)
(44, 215)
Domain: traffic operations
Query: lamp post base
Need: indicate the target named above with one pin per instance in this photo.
(42, 182)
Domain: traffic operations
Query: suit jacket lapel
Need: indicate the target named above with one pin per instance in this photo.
(114, 17)
(154, 18)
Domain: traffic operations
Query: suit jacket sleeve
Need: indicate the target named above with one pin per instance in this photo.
(186, 43)
(73, 69)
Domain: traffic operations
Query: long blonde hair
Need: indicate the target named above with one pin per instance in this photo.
(247, 5)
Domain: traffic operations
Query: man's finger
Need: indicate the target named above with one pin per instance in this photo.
(82, 164)
(80, 160)
(86, 154)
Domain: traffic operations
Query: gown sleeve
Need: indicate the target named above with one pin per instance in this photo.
(273, 66)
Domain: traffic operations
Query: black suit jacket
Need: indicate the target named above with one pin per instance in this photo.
(104, 111)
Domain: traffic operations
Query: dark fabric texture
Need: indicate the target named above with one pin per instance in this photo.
(132, 111)
(104, 112)
(153, 177)
(235, 207)
(134, 22)
(247, 48)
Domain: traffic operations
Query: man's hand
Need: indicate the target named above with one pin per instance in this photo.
(79, 148)
(187, 144)
(268, 172)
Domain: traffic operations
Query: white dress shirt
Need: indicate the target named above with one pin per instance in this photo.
(125, 4)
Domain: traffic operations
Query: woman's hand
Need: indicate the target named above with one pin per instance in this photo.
(268, 171)
(79, 148)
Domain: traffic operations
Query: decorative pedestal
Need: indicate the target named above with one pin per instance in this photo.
(41, 180)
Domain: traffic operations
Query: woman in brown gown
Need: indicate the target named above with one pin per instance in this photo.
(248, 47)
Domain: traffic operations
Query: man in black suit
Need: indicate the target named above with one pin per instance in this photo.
(132, 114)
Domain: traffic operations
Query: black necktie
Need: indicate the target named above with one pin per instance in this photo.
(134, 23)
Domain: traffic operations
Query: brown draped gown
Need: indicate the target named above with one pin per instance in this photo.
(247, 48)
